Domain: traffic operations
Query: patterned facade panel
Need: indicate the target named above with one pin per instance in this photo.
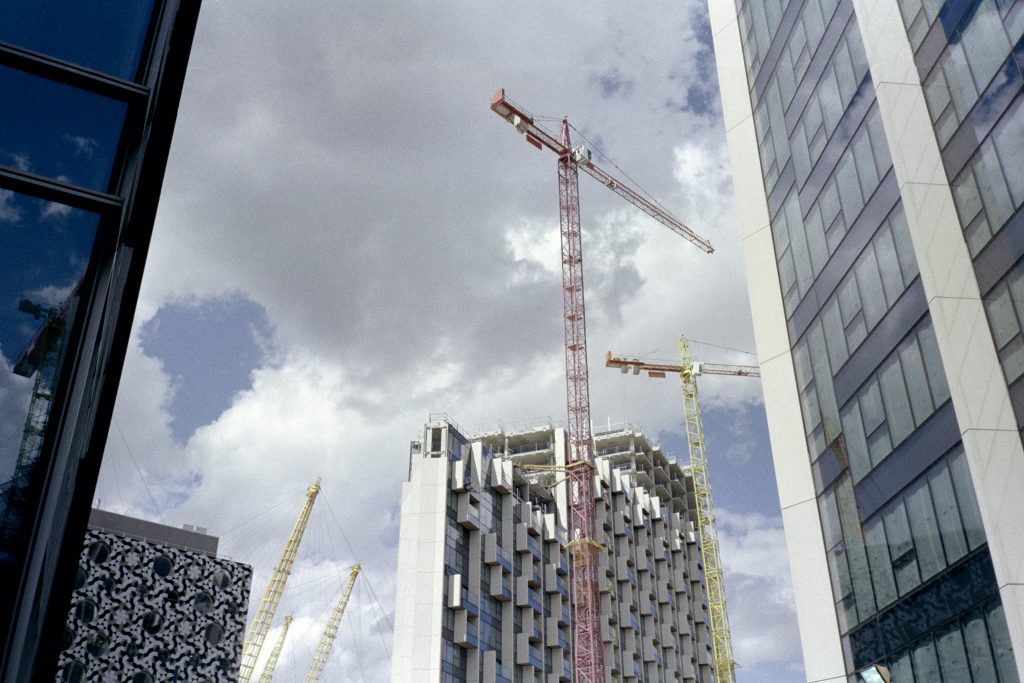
(143, 611)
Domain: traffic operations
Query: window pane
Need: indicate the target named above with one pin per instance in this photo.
(979, 653)
(888, 265)
(849, 189)
(849, 519)
(917, 380)
(952, 656)
(105, 35)
(856, 445)
(953, 539)
(897, 530)
(881, 565)
(926, 666)
(933, 364)
(900, 668)
(871, 407)
(999, 636)
(897, 406)
(1008, 138)
(969, 512)
(925, 529)
(872, 297)
(58, 131)
(46, 249)
(830, 519)
(1002, 316)
(904, 246)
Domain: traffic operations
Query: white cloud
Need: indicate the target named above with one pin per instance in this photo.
(9, 213)
(340, 167)
(759, 591)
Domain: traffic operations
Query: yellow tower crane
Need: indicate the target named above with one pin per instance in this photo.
(689, 370)
(316, 667)
(260, 625)
(275, 654)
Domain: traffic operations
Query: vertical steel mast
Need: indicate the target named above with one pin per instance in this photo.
(260, 625)
(587, 648)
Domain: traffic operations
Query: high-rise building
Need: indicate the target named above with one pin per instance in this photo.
(877, 150)
(90, 93)
(484, 573)
(153, 603)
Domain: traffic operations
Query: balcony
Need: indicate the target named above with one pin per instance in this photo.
(501, 475)
(501, 585)
(467, 511)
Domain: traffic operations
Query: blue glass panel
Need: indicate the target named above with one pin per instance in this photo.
(55, 130)
(46, 248)
(105, 35)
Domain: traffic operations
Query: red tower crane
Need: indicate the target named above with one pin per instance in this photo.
(588, 653)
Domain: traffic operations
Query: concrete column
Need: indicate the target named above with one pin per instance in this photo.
(981, 400)
(819, 630)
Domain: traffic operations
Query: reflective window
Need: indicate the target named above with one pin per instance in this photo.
(76, 142)
(991, 186)
(906, 389)
(1004, 306)
(930, 526)
(973, 647)
(105, 35)
(47, 248)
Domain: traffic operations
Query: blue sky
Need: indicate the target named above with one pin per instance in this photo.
(349, 240)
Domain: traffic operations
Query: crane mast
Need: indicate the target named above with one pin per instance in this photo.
(260, 625)
(316, 667)
(275, 654)
(689, 370)
(588, 650)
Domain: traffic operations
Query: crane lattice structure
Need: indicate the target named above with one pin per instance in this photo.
(42, 359)
(260, 625)
(689, 370)
(316, 667)
(275, 654)
(588, 651)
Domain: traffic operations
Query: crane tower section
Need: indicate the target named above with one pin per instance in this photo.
(689, 370)
(588, 650)
(260, 625)
(323, 649)
(275, 654)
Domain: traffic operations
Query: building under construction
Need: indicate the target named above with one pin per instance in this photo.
(483, 568)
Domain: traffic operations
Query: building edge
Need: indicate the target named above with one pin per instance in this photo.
(816, 617)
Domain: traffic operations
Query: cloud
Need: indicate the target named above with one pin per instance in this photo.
(82, 145)
(9, 213)
(760, 594)
(339, 168)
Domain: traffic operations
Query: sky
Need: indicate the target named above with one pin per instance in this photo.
(349, 241)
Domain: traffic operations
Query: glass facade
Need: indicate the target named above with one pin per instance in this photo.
(90, 93)
(911, 575)
(970, 57)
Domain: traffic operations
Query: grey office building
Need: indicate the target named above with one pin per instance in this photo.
(878, 157)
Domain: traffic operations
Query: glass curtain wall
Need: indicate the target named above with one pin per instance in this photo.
(911, 575)
(970, 56)
(88, 96)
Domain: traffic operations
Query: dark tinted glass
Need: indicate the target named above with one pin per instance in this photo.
(58, 131)
(105, 35)
(46, 249)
